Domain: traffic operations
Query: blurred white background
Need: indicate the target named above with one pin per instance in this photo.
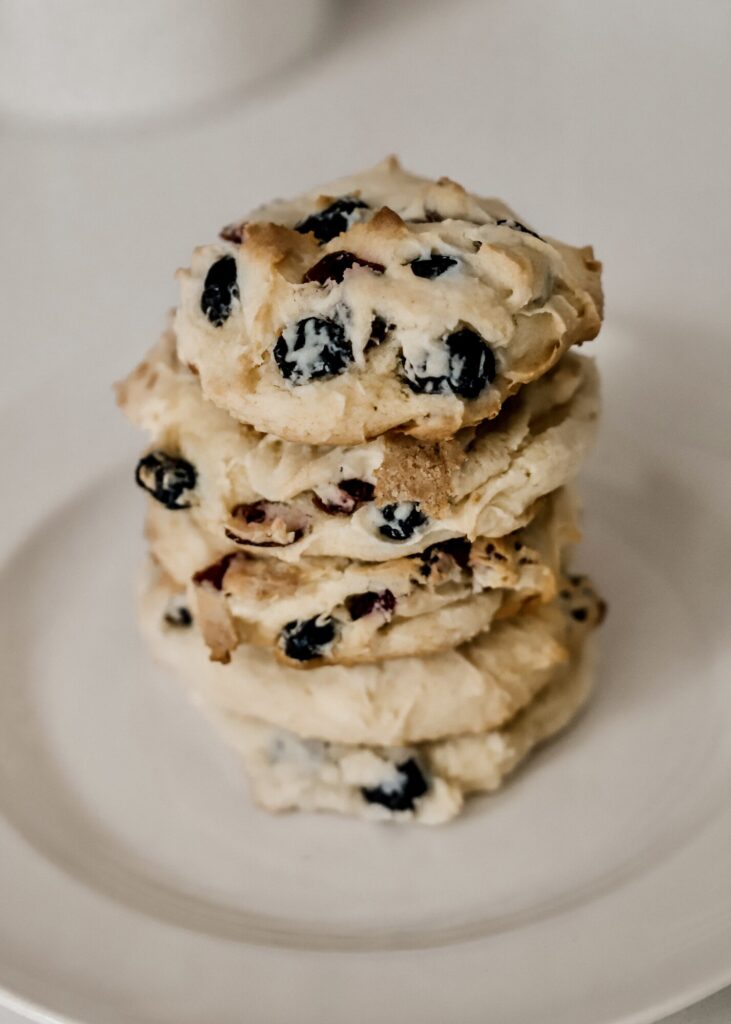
(130, 138)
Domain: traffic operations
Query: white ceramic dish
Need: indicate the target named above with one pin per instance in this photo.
(138, 884)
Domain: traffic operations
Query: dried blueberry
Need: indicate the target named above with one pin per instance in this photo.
(220, 288)
(307, 639)
(432, 266)
(359, 605)
(312, 349)
(333, 220)
(177, 613)
(343, 498)
(333, 266)
(463, 366)
(360, 490)
(401, 520)
(379, 330)
(167, 478)
(515, 225)
(401, 793)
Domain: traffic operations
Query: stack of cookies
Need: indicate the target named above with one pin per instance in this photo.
(365, 418)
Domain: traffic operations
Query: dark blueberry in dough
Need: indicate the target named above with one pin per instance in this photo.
(403, 792)
(167, 478)
(333, 266)
(363, 604)
(515, 225)
(432, 266)
(379, 330)
(359, 490)
(177, 613)
(401, 520)
(307, 639)
(580, 614)
(333, 220)
(312, 349)
(220, 288)
(471, 367)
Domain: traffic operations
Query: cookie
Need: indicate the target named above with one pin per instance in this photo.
(380, 301)
(473, 688)
(389, 497)
(336, 611)
(426, 783)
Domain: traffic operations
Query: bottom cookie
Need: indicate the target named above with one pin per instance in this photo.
(425, 783)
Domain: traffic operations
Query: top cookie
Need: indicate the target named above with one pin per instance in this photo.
(382, 301)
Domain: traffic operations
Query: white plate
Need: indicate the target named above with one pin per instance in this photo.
(139, 885)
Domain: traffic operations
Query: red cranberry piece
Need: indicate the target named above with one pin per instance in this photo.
(346, 497)
(360, 605)
(266, 524)
(233, 232)
(214, 574)
(332, 267)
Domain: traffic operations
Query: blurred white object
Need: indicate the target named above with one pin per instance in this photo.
(91, 59)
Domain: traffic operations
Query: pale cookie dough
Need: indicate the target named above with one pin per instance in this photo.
(404, 700)
(426, 783)
(389, 497)
(337, 611)
(380, 301)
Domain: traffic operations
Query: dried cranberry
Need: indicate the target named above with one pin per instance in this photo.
(307, 639)
(432, 266)
(401, 793)
(470, 367)
(401, 520)
(346, 497)
(220, 289)
(254, 513)
(359, 605)
(333, 266)
(266, 514)
(312, 349)
(333, 220)
(167, 478)
(233, 232)
(214, 573)
(458, 548)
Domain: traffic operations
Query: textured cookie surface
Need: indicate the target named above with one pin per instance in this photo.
(426, 783)
(476, 687)
(376, 501)
(380, 301)
(333, 610)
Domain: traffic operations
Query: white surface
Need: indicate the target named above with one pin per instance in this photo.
(83, 60)
(596, 127)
